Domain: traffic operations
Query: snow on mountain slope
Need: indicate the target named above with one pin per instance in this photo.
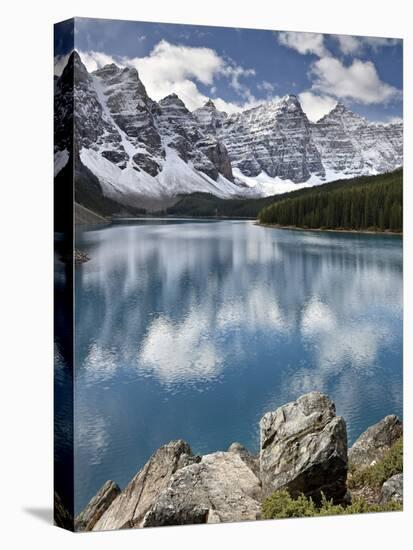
(138, 148)
(264, 185)
(275, 138)
(176, 177)
(351, 144)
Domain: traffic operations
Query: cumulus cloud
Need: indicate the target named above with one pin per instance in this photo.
(349, 44)
(303, 42)
(352, 45)
(171, 68)
(60, 62)
(266, 87)
(376, 42)
(358, 81)
(316, 106)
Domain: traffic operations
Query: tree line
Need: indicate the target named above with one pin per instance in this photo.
(374, 203)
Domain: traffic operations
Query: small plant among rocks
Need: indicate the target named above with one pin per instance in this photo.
(281, 505)
(374, 476)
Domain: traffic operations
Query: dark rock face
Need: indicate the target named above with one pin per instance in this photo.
(87, 519)
(192, 143)
(146, 163)
(304, 449)
(220, 488)
(129, 508)
(61, 516)
(372, 445)
(217, 153)
(392, 490)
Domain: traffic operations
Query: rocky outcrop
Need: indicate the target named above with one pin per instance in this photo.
(87, 519)
(61, 516)
(372, 445)
(130, 507)
(221, 488)
(392, 490)
(252, 461)
(304, 449)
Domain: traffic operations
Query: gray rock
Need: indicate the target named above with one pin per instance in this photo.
(252, 461)
(392, 490)
(61, 515)
(304, 449)
(129, 508)
(221, 488)
(372, 445)
(87, 519)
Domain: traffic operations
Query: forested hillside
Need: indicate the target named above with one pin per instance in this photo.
(374, 202)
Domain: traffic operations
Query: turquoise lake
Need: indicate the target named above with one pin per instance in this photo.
(193, 330)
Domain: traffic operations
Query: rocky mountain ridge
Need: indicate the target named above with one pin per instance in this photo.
(132, 149)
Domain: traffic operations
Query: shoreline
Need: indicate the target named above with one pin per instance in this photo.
(320, 230)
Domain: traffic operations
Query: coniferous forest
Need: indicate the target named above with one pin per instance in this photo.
(365, 203)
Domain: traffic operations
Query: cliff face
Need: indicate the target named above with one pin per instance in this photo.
(303, 450)
(350, 144)
(139, 149)
(274, 138)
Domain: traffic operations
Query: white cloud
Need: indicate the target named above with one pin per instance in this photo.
(394, 120)
(358, 81)
(60, 62)
(266, 86)
(376, 43)
(352, 45)
(349, 44)
(316, 106)
(170, 68)
(95, 60)
(303, 42)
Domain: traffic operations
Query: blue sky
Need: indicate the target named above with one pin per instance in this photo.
(239, 68)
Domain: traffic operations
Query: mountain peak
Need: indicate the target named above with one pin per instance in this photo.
(340, 107)
(210, 105)
(74, 69)
(108, 71)
(173, 100)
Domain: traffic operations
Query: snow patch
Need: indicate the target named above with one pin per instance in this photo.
(264, 185)
(60, 160)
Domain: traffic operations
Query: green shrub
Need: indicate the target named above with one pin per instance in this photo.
(374, 476)
(281, 505)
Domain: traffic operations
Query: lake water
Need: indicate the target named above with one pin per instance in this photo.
(194, 330)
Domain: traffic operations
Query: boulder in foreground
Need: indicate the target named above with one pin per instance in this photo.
(304, 449)
(129, 508)
(373, 444)
(252, 461)
(221, 488)
(87, 519)
(392, 490)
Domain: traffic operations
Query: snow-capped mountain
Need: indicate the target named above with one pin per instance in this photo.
(131, 149)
